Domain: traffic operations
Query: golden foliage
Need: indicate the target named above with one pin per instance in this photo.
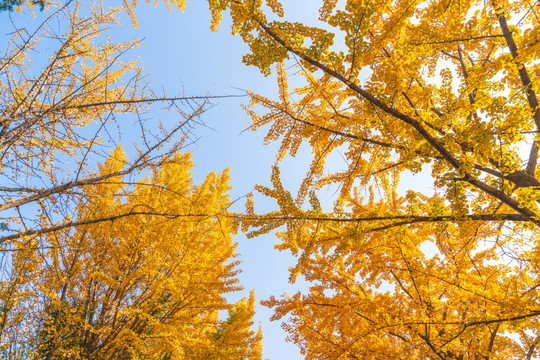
(148, 285)
(129, 261)
(399, 87)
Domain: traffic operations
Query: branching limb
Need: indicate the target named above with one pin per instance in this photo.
(525, 80)
(435, 143)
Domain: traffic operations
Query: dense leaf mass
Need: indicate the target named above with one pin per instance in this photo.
(101, 256)
(398, 87)
(149, 285)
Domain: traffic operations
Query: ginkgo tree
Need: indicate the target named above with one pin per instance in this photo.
(105, 256)
(66, 91)
(440, 87)
(145, 286)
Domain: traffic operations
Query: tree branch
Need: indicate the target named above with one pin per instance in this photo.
(72, 224)
(454, 162)
(532, 347)
(525, 80)
(449, 41)
(406, 219)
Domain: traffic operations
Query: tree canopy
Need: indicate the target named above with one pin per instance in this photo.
(107, 250)
(149, 285)
(397, 87)
(442, 89)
